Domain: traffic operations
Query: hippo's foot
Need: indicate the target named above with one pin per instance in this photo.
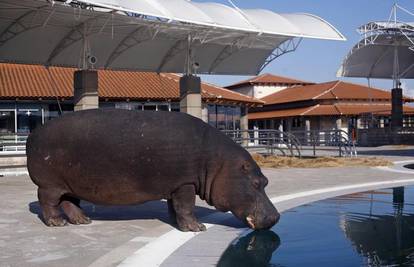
(74, 213)
(192, 227)
(57, 221)
(181, 206)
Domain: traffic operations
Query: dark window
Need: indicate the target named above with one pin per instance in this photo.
(6, 121)
(28, 120)
(212, 115)
(163, 107)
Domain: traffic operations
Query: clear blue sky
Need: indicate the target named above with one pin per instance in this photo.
(316, 60)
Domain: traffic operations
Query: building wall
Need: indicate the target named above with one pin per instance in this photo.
(261, 91)
(24, 116)
(246, 90)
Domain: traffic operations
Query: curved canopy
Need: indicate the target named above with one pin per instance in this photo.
(376, 59)
(151, 35)
(385, 52)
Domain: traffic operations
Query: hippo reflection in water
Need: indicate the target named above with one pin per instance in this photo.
(120, 157)
(254, 249)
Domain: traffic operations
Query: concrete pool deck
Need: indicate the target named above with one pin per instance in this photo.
(142, 234)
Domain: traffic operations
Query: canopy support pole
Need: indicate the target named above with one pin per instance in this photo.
(190, 87)
(86, 80)
(397, 95)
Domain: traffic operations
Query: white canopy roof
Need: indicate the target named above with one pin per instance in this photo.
(377, 59)
(385, 52)
(151, 35)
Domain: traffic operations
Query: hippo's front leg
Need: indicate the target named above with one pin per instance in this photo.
(183, 203)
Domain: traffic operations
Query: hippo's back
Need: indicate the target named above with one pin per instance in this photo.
(136, 150)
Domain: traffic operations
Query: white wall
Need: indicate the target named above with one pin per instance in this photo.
(261, 91)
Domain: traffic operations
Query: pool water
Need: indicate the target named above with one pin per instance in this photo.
(365, 229)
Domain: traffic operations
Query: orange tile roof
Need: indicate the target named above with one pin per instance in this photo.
(328, 110)
(336, 90)
(268, 79)
(32, 81)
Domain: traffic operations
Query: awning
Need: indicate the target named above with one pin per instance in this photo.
(386, 50)
(376, 59)
(151, 35)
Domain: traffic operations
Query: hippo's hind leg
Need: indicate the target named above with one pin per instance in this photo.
(71, 207)
(49, 200)
(183, 203)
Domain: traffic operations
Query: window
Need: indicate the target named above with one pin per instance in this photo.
(163, 108)
(296, 122)
(28, 120)
(212, 115)
(7, 122)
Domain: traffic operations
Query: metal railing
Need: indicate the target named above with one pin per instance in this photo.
(270, 140)
(296, 142)
(13, 142)
(338, 140)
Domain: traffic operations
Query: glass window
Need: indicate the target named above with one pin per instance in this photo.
(150, 107)
(175, 107)
(162, 107)
(6, 122)
(54, 110)
(124, 105)
(221, 118)
(212, 115)
(28, 120)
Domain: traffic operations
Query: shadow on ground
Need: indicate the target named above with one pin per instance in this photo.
(395, 152)
(157, 210)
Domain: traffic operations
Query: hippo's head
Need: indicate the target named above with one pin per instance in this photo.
(239, 188)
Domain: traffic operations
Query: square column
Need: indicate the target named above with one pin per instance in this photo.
(86, 90)
(397, 108)
(244, 125)
(190, 94)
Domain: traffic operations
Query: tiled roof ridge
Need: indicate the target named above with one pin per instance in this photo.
(310, 109)
(215, 86)
(255, 79)
(329, 90)
(338, 109)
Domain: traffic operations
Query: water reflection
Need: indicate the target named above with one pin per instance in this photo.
(386, 239)
(255, 249)
(365, 229)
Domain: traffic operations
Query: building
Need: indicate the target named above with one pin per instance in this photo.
(31, 95)
(326, 106)
(265, 84)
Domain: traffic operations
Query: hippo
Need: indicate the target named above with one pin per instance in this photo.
(122, 157)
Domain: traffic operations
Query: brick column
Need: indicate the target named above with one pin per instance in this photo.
(86, 90)
(190, 93)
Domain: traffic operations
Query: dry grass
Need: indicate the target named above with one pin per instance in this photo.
(323, 162)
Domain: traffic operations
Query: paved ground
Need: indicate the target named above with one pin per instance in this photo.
(117, 232)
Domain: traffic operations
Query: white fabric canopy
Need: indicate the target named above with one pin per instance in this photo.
(386, 52)
(151, 35)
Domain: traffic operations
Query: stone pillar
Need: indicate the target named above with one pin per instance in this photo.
(339, 124)
(190, 94)
(307, 129)
(86, 90)
(397, 108)
(204, 114)
(244, 125)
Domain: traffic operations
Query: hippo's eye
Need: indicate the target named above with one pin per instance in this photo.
(256, 183)
(246, 167)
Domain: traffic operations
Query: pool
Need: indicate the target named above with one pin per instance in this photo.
(410, 166)
(365, 229)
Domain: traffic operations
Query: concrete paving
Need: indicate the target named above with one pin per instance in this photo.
(117, 232)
